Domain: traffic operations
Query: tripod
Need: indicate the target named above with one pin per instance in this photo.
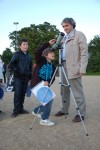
(61, 69)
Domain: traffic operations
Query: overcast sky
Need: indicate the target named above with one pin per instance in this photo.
(86, 13)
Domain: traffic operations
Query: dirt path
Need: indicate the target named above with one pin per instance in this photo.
(65, 135)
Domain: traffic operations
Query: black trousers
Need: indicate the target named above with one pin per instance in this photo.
(4, 76)
(0, 80)
(20, 87)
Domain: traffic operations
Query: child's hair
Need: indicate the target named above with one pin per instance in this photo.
(46, 51)
(21, 41)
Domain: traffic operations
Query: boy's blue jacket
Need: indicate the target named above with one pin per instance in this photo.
(41, 64)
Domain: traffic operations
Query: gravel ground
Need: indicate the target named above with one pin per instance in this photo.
(15, 133)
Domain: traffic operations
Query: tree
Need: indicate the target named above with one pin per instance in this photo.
(7, 55)
(36, 34)
(12, 36)
(94, 55)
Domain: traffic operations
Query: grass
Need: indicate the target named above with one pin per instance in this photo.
(93, 73)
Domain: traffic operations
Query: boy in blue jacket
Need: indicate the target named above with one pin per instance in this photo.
(44, 71)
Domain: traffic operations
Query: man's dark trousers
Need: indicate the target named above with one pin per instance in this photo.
(20, 87)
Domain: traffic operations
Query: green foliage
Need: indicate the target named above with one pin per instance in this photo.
(7, 55)
(93, 73)
(94, 55)
(36, 34)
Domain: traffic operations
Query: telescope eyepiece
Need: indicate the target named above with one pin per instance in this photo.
(59, 39)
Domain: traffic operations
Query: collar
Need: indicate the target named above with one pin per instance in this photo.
(69, 36)
(23, 52)
(72, 34)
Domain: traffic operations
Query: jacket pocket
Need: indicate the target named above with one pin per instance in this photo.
(76, 69)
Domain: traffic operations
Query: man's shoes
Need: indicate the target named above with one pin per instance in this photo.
(77, 118)
(0, 111)
(59, 113)
(14, 115)
(23, 111)
(47, 122)
(35, 114)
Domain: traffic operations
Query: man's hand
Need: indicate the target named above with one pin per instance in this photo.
(82, 74)
(52, 41)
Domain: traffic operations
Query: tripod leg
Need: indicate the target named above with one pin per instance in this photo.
(53, 75)
(77, 108)
(34, 120)
(65, 93)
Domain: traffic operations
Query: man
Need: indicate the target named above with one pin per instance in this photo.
(21, 65)
(75, 60)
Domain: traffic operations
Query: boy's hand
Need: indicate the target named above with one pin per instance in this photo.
(46, 83)
(52, 41)
(29, 82)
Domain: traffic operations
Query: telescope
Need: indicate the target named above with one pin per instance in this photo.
(58, 43)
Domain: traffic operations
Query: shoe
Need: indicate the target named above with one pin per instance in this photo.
(59, 113)
(23, 111)
(0, 111)
(77, 118)
(35, 114)
(47, 122)
(14, 115)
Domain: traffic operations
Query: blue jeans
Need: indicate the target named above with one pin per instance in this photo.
(45, 110)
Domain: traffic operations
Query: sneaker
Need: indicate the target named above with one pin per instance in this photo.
(35, 114)
(47, 122)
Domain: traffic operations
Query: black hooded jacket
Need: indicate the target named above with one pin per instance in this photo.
(21, 65)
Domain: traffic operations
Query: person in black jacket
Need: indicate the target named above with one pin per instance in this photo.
(4, 71)
(21, 65)
(44, 70)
